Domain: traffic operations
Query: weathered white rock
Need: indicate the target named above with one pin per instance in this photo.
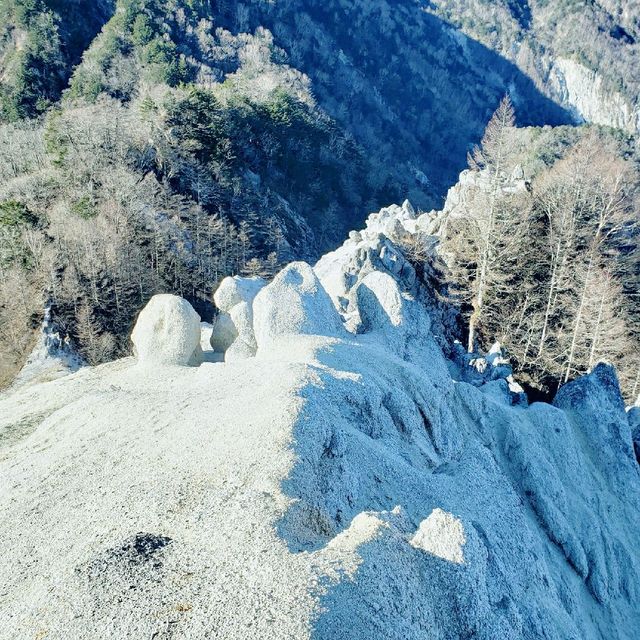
(239, 350)
(235, 289)
(167, 332)
(294, 303)
(442, 535)
(244, 346)
(233, 329)
(342, 270)
(223, 333)
(408, 209)
(52, 357)
(585, 92)
(379, 302)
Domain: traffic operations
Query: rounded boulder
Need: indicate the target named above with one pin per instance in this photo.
(224, 332)
(235, 289)
(380, 303)
(167, 332)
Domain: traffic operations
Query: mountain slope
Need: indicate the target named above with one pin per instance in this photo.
(207, 138)
(40, 42)
(403, 81)
(344, 480)
(198, 180)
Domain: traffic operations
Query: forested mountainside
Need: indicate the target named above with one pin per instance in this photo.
(539, 241)
(40, 43)
(154, 146)
(401, 79)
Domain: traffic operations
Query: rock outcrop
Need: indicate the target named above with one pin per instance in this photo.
(167, 332)
(294, 303)
(233, 332)
(584, 91)
(374, 248)
(52, 357)
(347, 482)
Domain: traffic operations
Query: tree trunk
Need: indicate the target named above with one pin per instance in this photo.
(596, 334)
(576, 327)
(550, 298)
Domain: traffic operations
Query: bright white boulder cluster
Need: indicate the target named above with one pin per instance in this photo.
(366, 286)
(233, 332)
(253, 314)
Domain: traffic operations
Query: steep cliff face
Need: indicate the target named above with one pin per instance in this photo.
(586, 93)
(583, 56)
(339, 480)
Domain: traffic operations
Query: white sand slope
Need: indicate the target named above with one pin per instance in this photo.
(175, 453)
(335, 485)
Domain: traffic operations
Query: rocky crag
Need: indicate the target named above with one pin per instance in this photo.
(322, 472)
